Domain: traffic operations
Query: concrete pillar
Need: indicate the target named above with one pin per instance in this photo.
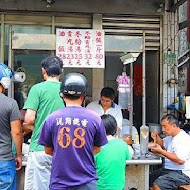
(97, 74)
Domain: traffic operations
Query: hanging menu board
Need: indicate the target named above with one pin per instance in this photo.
(80, 48)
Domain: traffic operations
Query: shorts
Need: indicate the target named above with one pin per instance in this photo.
(7, 175)
(168, 179)
(38, 170)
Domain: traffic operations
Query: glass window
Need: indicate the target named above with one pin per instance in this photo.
(32, 29)
(28, 62)
(28, 29)
(6, 50)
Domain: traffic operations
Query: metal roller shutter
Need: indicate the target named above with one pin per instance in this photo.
(74, 21)
(134, 25)
(65, 20)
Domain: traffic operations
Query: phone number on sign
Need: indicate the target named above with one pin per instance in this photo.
(80, 56)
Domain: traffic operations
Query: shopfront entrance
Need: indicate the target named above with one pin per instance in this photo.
(29, 49)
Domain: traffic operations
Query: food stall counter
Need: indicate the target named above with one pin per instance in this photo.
(137, 171)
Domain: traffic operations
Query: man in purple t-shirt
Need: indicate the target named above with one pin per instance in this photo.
(72, 136)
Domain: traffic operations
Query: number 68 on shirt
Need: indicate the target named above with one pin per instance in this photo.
(65, 139)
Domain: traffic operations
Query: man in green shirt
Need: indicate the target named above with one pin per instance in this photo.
(42, 100)
(111, 160)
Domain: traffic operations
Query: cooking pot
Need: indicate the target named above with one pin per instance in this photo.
(154, 127)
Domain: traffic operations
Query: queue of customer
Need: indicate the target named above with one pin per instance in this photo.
(70, 144)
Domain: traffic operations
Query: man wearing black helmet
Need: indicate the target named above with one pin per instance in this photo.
(71, 135)
(42, 100)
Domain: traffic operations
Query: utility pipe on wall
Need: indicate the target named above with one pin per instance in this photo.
(131, 97)
(144, 83)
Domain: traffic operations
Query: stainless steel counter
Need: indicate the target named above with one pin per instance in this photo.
(144, 161)
(137, 171)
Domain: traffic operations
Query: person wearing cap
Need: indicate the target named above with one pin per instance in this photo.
(73, 135)
(42, 100)
(106, 105)
(10, 129)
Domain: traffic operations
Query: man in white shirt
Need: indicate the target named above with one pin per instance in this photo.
(175, 147)
(106, 105)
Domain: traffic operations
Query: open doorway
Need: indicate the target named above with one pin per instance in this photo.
(114, 67)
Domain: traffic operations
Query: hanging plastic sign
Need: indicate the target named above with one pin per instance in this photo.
(124, 83)
(80, 48)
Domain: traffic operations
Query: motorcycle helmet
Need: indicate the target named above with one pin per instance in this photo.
(74, 84)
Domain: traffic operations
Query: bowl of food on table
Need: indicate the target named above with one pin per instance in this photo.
(151, 145)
